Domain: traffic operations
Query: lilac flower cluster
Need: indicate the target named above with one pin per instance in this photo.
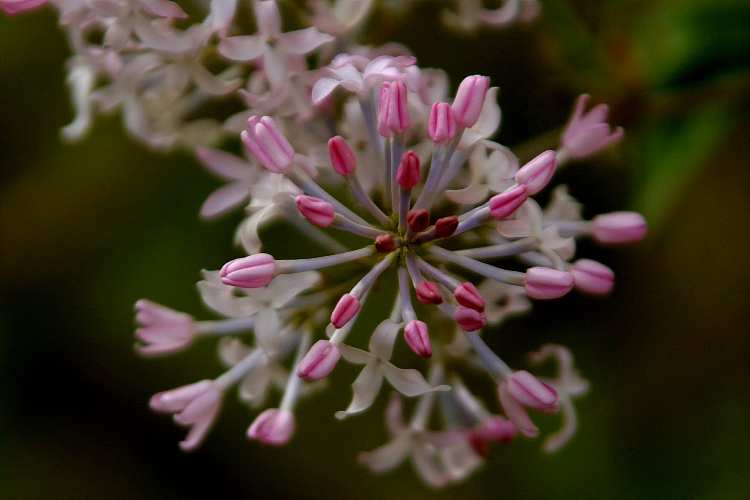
(433, 202)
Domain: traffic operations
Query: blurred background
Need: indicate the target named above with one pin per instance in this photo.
(86, 229)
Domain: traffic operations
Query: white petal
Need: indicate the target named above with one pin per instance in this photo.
(323, 89)
(302, 41)
(382, 339)
(225, 165)
(242, 48)
(221, 299)
(163, 8)
(388, 456)
(488, 123)
(470, 195)
(429, 467)
(409, 382)
(222, 13)
(287, 286)
(355, 355)
(210, 83)
(268, 329)
(81, 82)
(223, 200)
(366, 388)
(231, 350)
(557, 440)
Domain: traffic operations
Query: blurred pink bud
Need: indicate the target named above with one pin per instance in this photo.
(547, 283)
(385, 243)
(532, 392)
(195, 406)
(592, 277)
(470, 320)
(537, 173)
(13, 7)
(315, 210)
(442, 124)
(503, 205)
(393, 110)
(407, 174)
(467, 105)
(254, 271)
(516, 413)
(446, 226)
(418, 219)
(346, 308)
(162, 330)
(343, 160)
(267, 144)
(619, 227)
(319, 361)
(588, 133)
(273, 427)
(429, 293)
(467, 295)
(418, 338)
(494, 429)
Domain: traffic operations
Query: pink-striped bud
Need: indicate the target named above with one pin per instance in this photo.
(393, 110)
(343, 160)
(446, 226)
(385, 243)
(503, 205)
(429, 293)
(592, 277)
(470, 320)
(442, 124)
(347, 307)
(273, 427)
(530, 391)
(418, 219)
(467, 105)
(407, 174)
(315, 210)
(547, 283)
(467, 295)
(254, 271)
(537, 173)
(418, 338)
(319, 361)
(619, 227)
(267, 144)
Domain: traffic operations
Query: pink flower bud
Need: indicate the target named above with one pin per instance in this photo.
(407, 174)
(13, 7)
(418, 338)
(429, 293)
(619, 227)
(588, 132)
(537, 173)
(503, 205)
(343, 160)
(530, 391)
(385, 243)
(315, 210)
(273, 427)
(267, 144)
(496, 429)
(470, 320)
(254, 271)
(162, 330)
(446, 226)
(467, 105)
(547, 283)
(393, 111)
(442, 125)
(418, 219)
(347, 307)
(319, 361)
(592, 277)
(467, 295)
(195, 406)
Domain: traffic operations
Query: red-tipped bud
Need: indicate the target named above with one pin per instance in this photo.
(467, 105)
(343, 160)
(619, 227)
(592, 277)
(532, 392)
(446, 226)
(315, 210)
(273, 427)
(418, 338)
(407, 174)
(385, 243)
(393, 110)
(319, 361)
(547, 283)
(418, 219)
(467, 295)
(503, 205)
(254, 271)
(429, 293)
(537, 173)
(470, 320)
(347, 307)
(442, 124)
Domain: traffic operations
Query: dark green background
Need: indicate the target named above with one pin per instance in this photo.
(86, 229)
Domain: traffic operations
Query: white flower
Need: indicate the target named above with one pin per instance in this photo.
(491, 168)
(342, 17)
(240, 173)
